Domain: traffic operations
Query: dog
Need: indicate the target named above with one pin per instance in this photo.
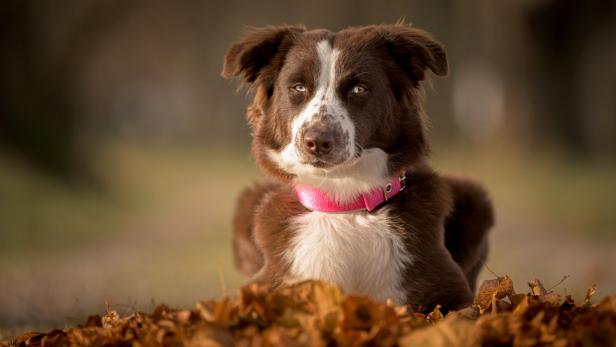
(338, 124)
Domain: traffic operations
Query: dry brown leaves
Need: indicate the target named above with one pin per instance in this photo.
(318, 314)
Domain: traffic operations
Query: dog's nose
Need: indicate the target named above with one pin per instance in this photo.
(318, 142)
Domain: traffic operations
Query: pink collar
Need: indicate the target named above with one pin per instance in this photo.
(317, 200)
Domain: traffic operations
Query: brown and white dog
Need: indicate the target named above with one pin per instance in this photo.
(342, 113)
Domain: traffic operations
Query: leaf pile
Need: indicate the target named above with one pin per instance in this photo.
(318, 314)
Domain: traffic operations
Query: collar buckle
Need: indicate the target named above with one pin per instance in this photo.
(389, 187)
(402, 179)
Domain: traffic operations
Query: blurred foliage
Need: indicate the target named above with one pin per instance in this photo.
(539, 72)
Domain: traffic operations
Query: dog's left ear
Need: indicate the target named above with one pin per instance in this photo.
(259, 54)
(414, 50)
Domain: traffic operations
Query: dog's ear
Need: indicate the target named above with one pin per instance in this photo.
(258, 56)
(413, 50)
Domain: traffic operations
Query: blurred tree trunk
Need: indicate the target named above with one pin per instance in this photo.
(42, 45)
(561, 31)
(36, 115)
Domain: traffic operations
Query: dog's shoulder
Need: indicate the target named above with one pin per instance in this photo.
(272, 217)
(426, 195)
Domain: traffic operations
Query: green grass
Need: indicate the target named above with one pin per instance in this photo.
(38, 211)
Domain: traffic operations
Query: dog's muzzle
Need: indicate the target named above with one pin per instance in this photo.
(322, 142)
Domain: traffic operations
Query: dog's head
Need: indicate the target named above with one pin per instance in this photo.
(339, 110)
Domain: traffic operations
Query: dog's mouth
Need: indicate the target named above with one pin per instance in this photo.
(322, 164)
(293, 162)
(329, 164)
(337, 156)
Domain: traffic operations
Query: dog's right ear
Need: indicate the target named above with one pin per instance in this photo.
(258, 57)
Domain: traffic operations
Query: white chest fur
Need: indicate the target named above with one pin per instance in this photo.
(362, 252)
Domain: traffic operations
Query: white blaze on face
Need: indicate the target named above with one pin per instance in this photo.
(324, 97)
(372, 164)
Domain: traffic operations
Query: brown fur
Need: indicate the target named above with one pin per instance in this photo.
(444, 219)
(248, 259)
(466, 226)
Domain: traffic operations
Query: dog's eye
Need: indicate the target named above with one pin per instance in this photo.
(358, 90)
(300, 88)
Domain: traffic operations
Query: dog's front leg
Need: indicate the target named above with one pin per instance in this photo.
(435, 279)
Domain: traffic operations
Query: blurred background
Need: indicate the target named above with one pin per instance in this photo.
(122, 149)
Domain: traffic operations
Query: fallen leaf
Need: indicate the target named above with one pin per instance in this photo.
(315, 313)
